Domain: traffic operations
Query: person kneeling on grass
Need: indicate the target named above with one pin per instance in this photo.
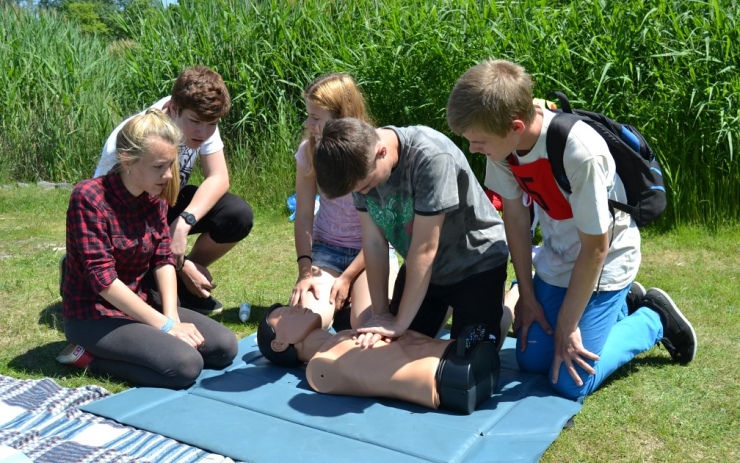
(582, 315)
(199, 99)
(117, 232)
(456, 375)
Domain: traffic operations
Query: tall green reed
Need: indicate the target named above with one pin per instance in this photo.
(669, 68)
(59, 89)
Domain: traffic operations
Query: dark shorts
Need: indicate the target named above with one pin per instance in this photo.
(477, 299)
(229, 221)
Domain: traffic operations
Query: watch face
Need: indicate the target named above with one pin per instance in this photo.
(189, 218)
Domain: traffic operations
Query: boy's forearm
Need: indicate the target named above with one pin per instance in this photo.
(209, 192)
(418, 274)
(516, 224)
(419, 263)
(375, 253)
(583, 279)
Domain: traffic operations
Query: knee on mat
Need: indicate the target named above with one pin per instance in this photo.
(567, 387)
(537, 358)
(531, 362)
(223, 356)
(185, 368)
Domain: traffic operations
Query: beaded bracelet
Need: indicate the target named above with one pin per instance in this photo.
(167, 325)
(305, 256)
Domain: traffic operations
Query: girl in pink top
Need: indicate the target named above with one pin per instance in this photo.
(331, 266)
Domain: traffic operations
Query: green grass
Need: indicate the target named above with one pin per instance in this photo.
(651, 410)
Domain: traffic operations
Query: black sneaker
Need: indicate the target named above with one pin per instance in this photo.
(634, 297)
(679, 337)
(205, 305)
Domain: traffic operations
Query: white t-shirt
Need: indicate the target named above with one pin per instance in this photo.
(187, 155)
(591, 171)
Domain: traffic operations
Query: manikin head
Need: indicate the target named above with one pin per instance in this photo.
(281, 329)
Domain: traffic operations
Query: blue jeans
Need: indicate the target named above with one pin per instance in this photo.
(330, 256)
(338, 258)
(606, 330)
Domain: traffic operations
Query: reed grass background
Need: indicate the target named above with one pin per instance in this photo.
(668, 67)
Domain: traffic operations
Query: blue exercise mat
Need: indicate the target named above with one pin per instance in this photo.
(258, 412)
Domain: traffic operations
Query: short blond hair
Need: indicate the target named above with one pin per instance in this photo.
(134, 140)
(489, 96)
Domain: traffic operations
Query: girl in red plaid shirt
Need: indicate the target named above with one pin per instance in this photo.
(117, 232)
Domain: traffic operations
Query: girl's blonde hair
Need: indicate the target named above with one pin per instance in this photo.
(339, 94)
(134, 140)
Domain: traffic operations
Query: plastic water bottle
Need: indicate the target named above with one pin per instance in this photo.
(245, 310)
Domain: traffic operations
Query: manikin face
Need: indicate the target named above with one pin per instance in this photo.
(292, 325)
(153, 170)
(380, 174)
(317, 117)
(195, 130)
(495, 148)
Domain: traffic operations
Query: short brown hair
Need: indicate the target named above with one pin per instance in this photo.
(489, 96)
(344, 155)
(203, 91)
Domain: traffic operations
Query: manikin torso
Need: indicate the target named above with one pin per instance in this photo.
(405, 369)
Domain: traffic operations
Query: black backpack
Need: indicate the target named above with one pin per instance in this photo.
(635, 161)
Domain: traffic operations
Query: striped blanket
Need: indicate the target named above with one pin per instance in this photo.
(40, 422)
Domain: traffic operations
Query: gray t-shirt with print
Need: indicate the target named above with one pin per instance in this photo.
(433, 177)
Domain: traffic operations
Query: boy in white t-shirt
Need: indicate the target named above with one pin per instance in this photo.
(199, 99)
(572, 315)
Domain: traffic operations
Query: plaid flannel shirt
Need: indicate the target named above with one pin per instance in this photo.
(111, 235)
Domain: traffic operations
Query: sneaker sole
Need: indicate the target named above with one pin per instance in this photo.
(682, 317)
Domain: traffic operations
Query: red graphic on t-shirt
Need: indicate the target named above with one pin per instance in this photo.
(538, 181)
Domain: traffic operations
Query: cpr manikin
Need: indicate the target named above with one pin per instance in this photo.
(456, 375)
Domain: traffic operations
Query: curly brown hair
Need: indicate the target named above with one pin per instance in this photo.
(203, 91)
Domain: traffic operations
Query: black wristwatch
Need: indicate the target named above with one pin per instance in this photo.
(189, 218)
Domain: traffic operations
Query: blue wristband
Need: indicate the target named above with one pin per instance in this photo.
(167, 325)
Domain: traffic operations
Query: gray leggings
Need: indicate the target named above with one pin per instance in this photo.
(146, 356)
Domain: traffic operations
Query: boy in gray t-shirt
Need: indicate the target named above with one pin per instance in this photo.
(414, 188)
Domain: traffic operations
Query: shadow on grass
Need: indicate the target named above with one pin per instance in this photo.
(41, 360)
(652, 362)
(51, 316)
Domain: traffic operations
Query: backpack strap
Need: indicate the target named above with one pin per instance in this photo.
(557, 135)
(563, 101)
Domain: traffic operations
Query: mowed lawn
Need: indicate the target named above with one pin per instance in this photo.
(650, 411)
